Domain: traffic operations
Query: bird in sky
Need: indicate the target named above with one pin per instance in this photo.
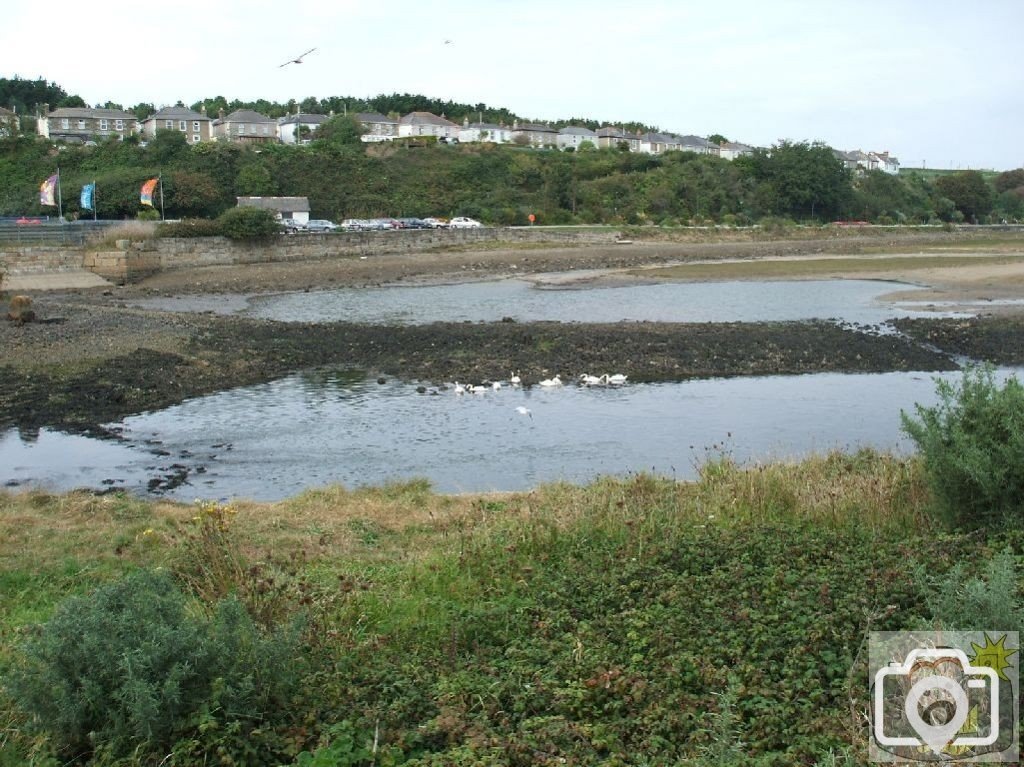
(447, 42)
(298, 59)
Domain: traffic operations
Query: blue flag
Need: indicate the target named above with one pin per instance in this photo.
(88, 192)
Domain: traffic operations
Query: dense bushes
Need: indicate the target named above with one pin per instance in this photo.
(248, 224)
(972, 443)
(131, 666)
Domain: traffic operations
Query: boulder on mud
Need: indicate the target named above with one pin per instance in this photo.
(21, 310)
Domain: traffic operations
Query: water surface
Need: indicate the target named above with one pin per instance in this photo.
(321, 427)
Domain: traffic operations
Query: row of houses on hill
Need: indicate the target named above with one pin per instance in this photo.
(72, 124)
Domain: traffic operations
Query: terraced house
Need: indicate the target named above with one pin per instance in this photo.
(195, 125)
(81, 124)
(246, 127)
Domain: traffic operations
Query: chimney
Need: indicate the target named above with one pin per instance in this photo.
(202, 109)
(220, 113)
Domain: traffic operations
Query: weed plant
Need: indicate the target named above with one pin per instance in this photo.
(972, 445)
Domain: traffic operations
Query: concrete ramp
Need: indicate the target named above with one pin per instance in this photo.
(64, 279)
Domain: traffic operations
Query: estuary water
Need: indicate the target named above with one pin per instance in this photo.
(325, 426)
(853, 301)
(328, 426)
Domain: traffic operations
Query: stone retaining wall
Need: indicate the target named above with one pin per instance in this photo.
(39, 260)
(129, 261)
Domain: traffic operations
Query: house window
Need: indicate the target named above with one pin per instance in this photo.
(65, 123)
(118, 124)
(195, 126)
(241, 129)
(104, 125)
(169, 124)
(182, 125)
(266, 130)
(195, 138)
(81, 125)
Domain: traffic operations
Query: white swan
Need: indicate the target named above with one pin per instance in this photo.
(548, 382)
(589, 380)
(515, 380)
(524, 411)
(459, 388)
(477, 389)
(496, 385)
(615, 380)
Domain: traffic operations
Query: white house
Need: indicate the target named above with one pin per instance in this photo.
(573, 136)
(730, 150)
(484, 132)
(656, 143)
(288, 127)
(427, 124)
(378, 127)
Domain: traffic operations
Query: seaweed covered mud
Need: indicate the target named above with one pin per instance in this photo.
(92, 358)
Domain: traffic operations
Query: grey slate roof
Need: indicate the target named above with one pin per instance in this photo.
(247, 116)
(177, 113)
(304, 119)
(575, 130)
(87, 112)
(483, 126)
(534, 127)
(374, 117)
(426, 118)
(610, 132)
(293, 204)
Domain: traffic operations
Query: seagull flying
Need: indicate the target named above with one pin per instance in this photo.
(297, 59)
(524, 411)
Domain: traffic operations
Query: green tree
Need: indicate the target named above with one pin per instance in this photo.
(341, 131)
(190, 194)
(167, 146)
(254, 180)
(1011, 179)
(801, 180)
(717, 138)
(969, 192)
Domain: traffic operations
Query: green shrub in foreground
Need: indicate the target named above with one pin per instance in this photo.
(248, 224)
(131, 669)
(972, 443)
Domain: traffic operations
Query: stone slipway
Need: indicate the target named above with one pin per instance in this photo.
(70, 279)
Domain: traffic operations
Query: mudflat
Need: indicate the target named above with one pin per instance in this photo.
(93, 358)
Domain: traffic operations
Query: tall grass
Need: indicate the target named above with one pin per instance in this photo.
(134, 231)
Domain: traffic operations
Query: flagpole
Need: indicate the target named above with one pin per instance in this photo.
(60, 206)
(160, 181)
(95, 197)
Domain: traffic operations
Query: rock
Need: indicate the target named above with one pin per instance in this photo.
(21, 310)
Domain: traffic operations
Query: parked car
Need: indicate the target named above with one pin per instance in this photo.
(353, 225)
(436, 223)
(413, 223)
(291, 226)
(321, 225)
(462, 222)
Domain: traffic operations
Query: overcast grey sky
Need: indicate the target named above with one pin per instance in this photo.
(932, 81)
